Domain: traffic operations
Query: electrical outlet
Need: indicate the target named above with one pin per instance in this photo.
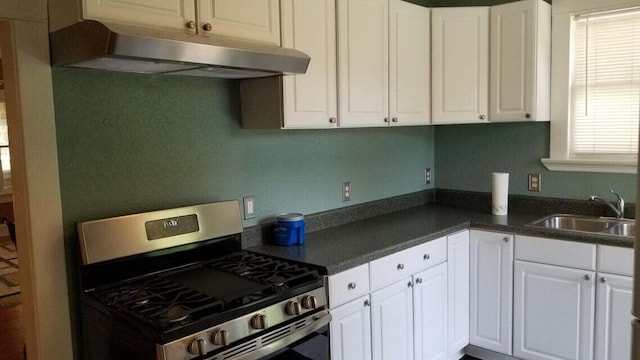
(427, 176)
(249, 202)
(534, 182)
(346, 191)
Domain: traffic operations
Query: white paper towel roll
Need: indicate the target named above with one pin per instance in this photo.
(500, 193)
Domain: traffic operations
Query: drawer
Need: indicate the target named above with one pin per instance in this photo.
(405, 263)
(615, 260)
(556, 252)
(429, 254)
(348, 285)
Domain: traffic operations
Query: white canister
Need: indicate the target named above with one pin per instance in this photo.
(499, 193)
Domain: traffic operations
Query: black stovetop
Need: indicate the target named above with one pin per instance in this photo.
(192, 297)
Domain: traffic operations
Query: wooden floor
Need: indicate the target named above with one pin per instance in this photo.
(11, 333)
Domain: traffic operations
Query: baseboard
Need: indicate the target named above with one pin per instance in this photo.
(485, 354)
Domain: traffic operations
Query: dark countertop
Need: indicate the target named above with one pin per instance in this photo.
(342, 247)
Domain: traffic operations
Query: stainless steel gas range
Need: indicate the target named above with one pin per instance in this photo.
(174, 284)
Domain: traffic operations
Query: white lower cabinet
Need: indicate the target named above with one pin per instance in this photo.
(458, 294)
(613, 317)
(392, 321)
(351, 330)
(491, 291)
(554, 312)
(430, 313)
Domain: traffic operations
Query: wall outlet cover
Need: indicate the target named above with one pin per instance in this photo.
(534, 182)
(249, 202)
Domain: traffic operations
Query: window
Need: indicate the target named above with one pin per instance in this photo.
(5, 157)
(605, 86)
(595, 101)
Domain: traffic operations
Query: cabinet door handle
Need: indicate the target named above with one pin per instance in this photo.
(351, 285)
(400, 266)
(505, 239)
(587, 277)
(190, 25)
(527, 115)
(395, 119)
(386, 120)
(603, 279)
(482, 117)
(409, 284)
(367, 303)
(333, 120)
(419, 281)
(206, 27)
(426, 257)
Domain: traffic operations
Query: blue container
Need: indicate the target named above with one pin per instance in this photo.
(289, 229)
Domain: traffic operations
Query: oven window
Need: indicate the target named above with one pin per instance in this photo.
(313, 347)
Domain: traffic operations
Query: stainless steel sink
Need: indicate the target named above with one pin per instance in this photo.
(588, 224)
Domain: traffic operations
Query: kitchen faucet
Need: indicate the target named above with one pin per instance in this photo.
(618, 208)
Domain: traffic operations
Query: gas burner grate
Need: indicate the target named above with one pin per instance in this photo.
(159, 301)
(278, 273)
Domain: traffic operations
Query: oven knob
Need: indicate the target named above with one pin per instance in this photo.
(292, 308)
(220, 337)
(196, 347)
(259, 321)
(309, 302)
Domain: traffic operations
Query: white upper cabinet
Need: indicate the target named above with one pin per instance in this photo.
(460, 64)
(520, 61)
(310, 99)
(383, 63)
(363, 62)
(253, 20)
(173, 14)
(409, 64)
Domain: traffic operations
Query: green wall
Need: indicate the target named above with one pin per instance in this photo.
(466, 155)
(129, 143)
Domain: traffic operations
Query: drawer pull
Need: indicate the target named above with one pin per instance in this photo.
(419, 281)
(426, 257)
(505, 239)
(351, 285)
(400, 266)
(587, 277)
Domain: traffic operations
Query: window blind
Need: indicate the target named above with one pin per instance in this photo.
(605, 85)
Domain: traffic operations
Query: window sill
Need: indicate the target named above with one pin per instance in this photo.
(602, 166)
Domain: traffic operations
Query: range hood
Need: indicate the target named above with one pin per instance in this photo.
(126, 48)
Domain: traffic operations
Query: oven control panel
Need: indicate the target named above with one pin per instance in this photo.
(308, 310)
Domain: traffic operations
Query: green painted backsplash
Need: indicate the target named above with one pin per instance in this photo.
(466, 155)
(129, 143)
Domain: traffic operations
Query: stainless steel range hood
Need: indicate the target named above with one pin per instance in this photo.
(126, 48)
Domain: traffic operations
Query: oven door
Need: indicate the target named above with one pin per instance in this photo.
(305, 339)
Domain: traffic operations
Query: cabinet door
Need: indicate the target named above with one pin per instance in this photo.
(553, 312)
(458, 293)
(460, 60)
(392, 321)
(172, 14)
(310, 99)
(613, 317)
(351, 330)
(491, 291)
(254, 20)
(520, 61)
(409, 63)
(430, 314)
(363, 62)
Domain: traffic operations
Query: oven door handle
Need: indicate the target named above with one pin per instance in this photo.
(322, 319)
